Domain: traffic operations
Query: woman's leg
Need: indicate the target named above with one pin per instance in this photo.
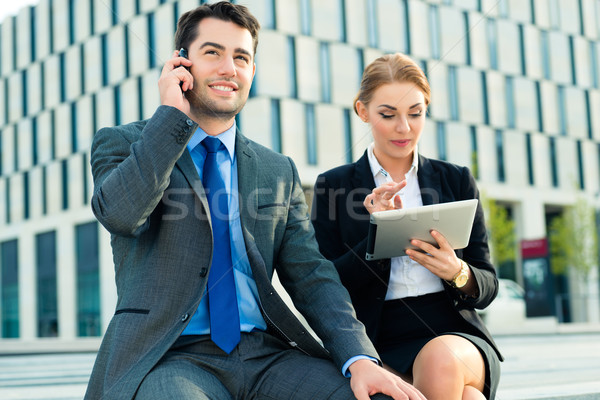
(450, 367)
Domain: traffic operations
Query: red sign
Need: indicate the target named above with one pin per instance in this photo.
(534, 248)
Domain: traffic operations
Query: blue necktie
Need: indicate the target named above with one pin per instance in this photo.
(222, 300)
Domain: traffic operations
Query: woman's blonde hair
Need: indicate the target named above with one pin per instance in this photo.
(391, 68)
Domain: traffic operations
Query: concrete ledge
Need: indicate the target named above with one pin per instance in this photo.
(542, 326)
(49, 345)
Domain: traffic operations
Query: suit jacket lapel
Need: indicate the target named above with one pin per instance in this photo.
(363, 178)
(429, 182)
(188, 169)
(247, 167)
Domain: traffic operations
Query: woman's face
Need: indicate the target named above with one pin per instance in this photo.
(397, 117)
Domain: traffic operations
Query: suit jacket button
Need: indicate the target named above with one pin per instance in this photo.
(203, 272)
(184, 317)
(189, 122)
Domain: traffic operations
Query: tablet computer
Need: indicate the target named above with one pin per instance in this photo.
(390, 232)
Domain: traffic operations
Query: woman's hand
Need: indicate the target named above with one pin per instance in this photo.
(441, 260)
(384, 197)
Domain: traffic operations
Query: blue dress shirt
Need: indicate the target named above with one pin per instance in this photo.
(246, 291)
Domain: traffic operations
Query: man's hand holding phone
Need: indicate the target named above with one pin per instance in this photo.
(175, 79)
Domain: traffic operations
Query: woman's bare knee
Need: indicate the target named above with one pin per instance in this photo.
(448, 364)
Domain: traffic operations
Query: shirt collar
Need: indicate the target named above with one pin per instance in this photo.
(227, 138)
(376, 168)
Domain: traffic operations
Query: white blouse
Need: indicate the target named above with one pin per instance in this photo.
(408, 278)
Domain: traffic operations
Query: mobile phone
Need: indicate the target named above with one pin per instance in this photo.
(183, 53)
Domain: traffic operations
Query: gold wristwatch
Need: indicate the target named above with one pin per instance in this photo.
(462, 277)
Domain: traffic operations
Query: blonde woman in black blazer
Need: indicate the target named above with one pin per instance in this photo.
(419, 310)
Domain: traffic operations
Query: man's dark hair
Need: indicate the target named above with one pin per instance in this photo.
(187, 27)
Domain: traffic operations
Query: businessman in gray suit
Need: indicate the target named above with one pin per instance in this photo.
(200, 218)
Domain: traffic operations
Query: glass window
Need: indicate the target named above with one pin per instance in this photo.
(65, 184)
(305, 17)
(553, 162)
(484, 90)
(104, 57)
(510, 102)
(343, 22)
(114, 5)
(117, 104)
(467, 38)
(74, 135)
(529, 158)
(580, 166)
(441, 139)
(500, 156)
(275, 125)
(71, 11)
(453, 93)
(348, 134)
(533, 19)
(434, 34)
(406, 21)
(151, 41)
(572, 57)
(88, 279)
(474, 152)
(34, 142)
(311, 134)
(540, 116)
(325, 73)
(292, 67)
(581, 19)
(588, 114)
(545, 54)
(14, 42)
(492, 35)
(562, 118)
(372, 22)
(47, 303)
(32, 25)
(62, 77)
(24, 91)
(522, 50)
(44, 190)
(503, 10)
(26, 209)
(10, 288)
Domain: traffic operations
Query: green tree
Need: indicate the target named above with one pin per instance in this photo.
(574, 239)
(501, 228)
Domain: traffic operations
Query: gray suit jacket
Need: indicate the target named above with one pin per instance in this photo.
(148, 195)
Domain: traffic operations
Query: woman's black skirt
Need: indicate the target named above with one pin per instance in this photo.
(407, 324)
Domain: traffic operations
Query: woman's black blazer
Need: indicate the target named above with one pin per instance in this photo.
(341, 226)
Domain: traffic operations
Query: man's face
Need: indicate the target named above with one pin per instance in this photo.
(223, 69)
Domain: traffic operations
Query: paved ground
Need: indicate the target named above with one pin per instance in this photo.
(555, 366)
(540, 366)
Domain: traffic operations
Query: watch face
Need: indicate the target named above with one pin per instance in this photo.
(461, 280)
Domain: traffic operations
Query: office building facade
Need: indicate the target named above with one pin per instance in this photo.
(515, 96)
